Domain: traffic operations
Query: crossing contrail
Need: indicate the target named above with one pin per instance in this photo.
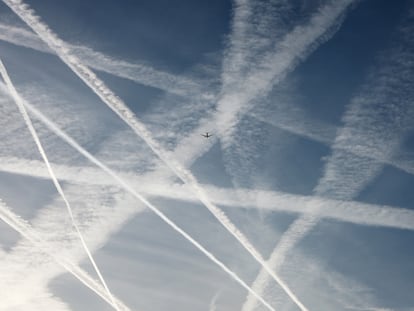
(29, 233)
(344, 211)
(296, 124)
(280, 54)
(138, 73)
(120, 108)
(276, 63)
(125, 185)
(375, 122)
(28, 121)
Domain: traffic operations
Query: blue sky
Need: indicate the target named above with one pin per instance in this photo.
(110, 198)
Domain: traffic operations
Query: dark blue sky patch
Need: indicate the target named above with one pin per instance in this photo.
(298, 166)
(392, 187)
(209, 168)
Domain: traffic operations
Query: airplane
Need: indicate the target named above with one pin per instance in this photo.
(206, 135)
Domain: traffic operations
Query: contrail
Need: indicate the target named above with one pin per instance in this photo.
(236, 51)
(135, 72)
(213, 306)
(22, 109)
(375, 121)
(27, 232)
(255, 27)
(130, 189)
(25, 266)
(273, 67)
(119, 107)
(325, 134)
(345, 211)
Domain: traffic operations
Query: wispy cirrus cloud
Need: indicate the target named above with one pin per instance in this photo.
(213, 303)
(123, 184)
(288, 116)
(376, 119)
(316, 280)
(275, 64)
(253, 197)
(283, 41)
(311, 39)
(345, 211)
(19, 102)
(139, 73)
(120, 108)
(285, 117)
(268, 70)
(44, 251)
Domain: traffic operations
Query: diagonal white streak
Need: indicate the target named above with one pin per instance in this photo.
(58, 187)
(189, 154)
(325, 134)
(119, 107)
(125, 185)
(135, 72)
(185, 153)
(236, 51)
(162, 80)
(29, 233)
(276, 64)
(345, 211)
(273, 67)
(374, 122)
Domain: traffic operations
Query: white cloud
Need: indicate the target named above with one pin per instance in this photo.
(375, 120)
(139, 73)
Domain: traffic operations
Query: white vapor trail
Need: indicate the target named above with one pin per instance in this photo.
(375, 121)
(29, 233)
(236, 52)
(119, 107)
(256, 26)
(301, 125)
(268, 65)
(125, 185)
(319, 214)
(345, 211)
(135, 72)
(213, 303)
(277, 63)
(22, 109)
(273, 67)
